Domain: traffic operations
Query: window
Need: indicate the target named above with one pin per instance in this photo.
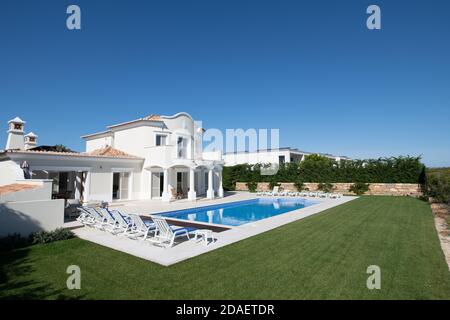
(281, 160)
(160, 140)
(182, 147)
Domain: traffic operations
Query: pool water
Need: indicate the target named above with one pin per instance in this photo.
(240, 212)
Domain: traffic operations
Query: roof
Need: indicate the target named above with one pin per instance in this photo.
(270, 150)
(107, 152)
(110, 152)
(10, 188)
(17, 120)
(152, 117)
(55, 148)
(31, 134)
(294, 150)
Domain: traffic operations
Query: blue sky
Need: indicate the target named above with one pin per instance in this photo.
(310, 68)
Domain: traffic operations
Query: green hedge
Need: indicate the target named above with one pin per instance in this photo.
(316, 168)
(438, 185)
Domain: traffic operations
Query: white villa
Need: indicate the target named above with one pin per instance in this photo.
(152, 157)
(274, 156)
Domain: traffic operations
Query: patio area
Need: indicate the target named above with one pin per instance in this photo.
(188, 249)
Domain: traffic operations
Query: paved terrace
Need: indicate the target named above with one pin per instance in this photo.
(188, 249)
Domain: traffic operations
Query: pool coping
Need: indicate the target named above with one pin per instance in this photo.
(189, 249)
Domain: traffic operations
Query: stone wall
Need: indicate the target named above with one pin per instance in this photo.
(390, 189)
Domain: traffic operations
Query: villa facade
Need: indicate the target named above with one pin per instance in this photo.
(154, 157)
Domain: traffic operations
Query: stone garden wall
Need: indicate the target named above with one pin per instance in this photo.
(391, 189)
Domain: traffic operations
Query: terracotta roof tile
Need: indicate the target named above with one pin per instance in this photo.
(106, 152)
(110, 152)
(9, 188)
(152, 117)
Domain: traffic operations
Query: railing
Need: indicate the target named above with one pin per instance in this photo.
(161, 156)
(166, 156)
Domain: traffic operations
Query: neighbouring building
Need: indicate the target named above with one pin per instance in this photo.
(154, 157)
(272, 156)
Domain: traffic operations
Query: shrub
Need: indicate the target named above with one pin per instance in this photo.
(252, 185)
(325, 187)
(273, 183)
(359, 188)
(317, 168)
(299, 185)
(438, 187)
(47, 237)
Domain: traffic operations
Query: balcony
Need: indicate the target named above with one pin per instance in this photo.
(159, 156)
(165, 157)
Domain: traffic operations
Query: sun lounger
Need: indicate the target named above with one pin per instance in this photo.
(85, 217)
(274, 192)
(141, 228)
(166, 234)
(335, 195)
(123, 224)
(92, 217)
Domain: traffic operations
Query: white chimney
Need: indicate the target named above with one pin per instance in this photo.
(15, 134)
(30, 140)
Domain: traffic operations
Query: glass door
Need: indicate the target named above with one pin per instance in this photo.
(157, 184)
(116, 186)
(121, 185)
(125, 185)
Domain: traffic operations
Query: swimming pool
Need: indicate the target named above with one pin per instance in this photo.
(240, 212)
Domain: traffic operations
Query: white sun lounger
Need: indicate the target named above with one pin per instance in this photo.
(123, 224)
(92, 217)
(141, 228)
(335, 195)
(85, 217)
(109, 222)
(166, 234)
(274, 192)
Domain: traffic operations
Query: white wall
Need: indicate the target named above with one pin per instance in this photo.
(100, 186)
(9, 172)
(255, 157)
(135, 140)
(25, 217)
(98, 143)
(212, 155)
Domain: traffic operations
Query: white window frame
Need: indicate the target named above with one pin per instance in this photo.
(160, 135)
(185, 148)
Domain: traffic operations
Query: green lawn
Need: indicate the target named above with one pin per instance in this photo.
(321, 257)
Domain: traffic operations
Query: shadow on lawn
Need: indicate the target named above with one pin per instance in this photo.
(14, 266)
